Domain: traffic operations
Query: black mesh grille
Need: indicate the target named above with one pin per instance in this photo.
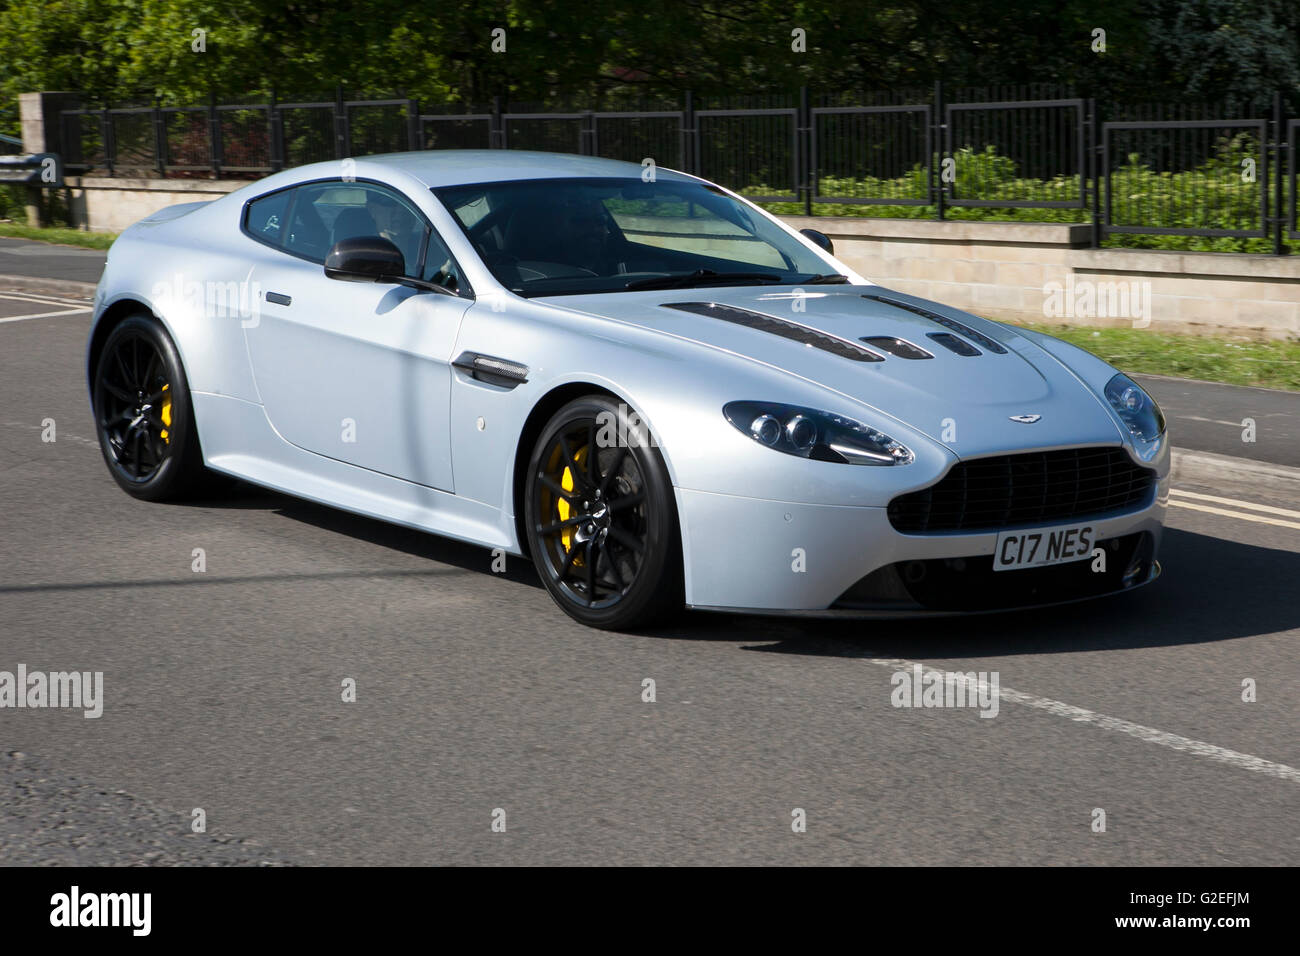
(782, 327)
(986, 494)
(896, 346)
(954, 344)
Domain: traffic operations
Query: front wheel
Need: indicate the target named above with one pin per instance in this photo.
(143, 414)
(601, 521)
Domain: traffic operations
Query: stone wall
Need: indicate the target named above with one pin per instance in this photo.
(110, 204)
(1034, 272)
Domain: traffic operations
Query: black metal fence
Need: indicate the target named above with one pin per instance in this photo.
(1210, 176)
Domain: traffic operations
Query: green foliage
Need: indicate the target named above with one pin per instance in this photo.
(1234, 50)
(58, 234)
(1209, 358)
(11, 203)
(442, 53)
(1213, 195)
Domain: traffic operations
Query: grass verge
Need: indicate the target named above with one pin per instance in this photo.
(58, 234)
(1209, 358)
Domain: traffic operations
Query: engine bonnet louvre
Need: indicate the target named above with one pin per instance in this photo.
(782, 327)
(954, 344)
(950, 324)
(896, 346)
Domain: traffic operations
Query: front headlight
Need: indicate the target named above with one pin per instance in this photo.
(809, 433)
(1139, 412)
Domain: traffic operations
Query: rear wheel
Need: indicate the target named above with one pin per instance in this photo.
(143, 415)
(601, 522)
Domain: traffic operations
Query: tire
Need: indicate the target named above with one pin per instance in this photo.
(143, 414)
(606, 542)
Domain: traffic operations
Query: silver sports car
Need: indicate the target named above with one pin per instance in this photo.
(661, 394)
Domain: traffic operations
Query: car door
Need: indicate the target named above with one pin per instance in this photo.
(355, 371)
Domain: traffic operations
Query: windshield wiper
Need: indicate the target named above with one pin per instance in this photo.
(686, 280)
(833, 278)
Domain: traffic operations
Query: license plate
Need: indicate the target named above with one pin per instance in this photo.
(1039, 547)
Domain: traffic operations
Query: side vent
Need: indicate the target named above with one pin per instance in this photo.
(782, 327)
(954, 344)
(950, 324)
(490, 369)
(895, 346)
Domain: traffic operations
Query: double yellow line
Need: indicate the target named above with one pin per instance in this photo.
(1176, 496)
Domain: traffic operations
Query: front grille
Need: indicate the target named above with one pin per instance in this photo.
(987, 494)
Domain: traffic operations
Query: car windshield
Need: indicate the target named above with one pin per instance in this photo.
(570, 236)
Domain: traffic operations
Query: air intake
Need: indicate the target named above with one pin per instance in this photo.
(895, 346)
(947, 323)
(782, 327)
(954, 344)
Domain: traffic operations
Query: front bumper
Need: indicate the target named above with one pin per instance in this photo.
(762, 556)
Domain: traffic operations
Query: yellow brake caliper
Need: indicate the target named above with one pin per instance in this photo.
(566, 482)
(166, 415)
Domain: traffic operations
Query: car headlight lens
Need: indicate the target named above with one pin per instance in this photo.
(1139, 412)
(809, 433)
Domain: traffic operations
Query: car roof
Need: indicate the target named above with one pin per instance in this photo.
(456, 167)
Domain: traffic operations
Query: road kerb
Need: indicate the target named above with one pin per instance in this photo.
(42, 284)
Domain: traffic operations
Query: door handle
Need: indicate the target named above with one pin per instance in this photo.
(279, 298)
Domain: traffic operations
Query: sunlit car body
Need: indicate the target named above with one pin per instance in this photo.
(911, 441)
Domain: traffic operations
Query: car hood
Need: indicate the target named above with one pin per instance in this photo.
(966, 402)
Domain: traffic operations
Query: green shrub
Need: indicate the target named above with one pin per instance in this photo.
(13, 204)
(1214, 195)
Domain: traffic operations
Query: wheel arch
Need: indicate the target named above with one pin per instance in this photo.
(546, 406)
(111, 317)
(114, 315)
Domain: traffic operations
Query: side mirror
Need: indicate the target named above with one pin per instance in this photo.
(820, 238)
(365, 259)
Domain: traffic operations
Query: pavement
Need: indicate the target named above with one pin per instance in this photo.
(478, 700)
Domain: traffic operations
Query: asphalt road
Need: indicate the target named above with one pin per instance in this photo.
(18, 257)
(222, 688)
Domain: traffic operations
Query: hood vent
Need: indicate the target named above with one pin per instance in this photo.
(947, 323)
(782, 327)
(954, 344)
(896, 346)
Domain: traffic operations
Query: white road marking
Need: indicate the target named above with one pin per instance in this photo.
(79, 307)
(1242, 516)
(1211, 421)
(41, 297)
(43, 315)
(1149, 734)
(1237, 503)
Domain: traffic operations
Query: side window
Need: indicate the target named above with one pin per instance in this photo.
(266, 217)
(324, 213)
(439, 266)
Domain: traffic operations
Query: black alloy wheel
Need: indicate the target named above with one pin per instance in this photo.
(143, 415)
(602, 526)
